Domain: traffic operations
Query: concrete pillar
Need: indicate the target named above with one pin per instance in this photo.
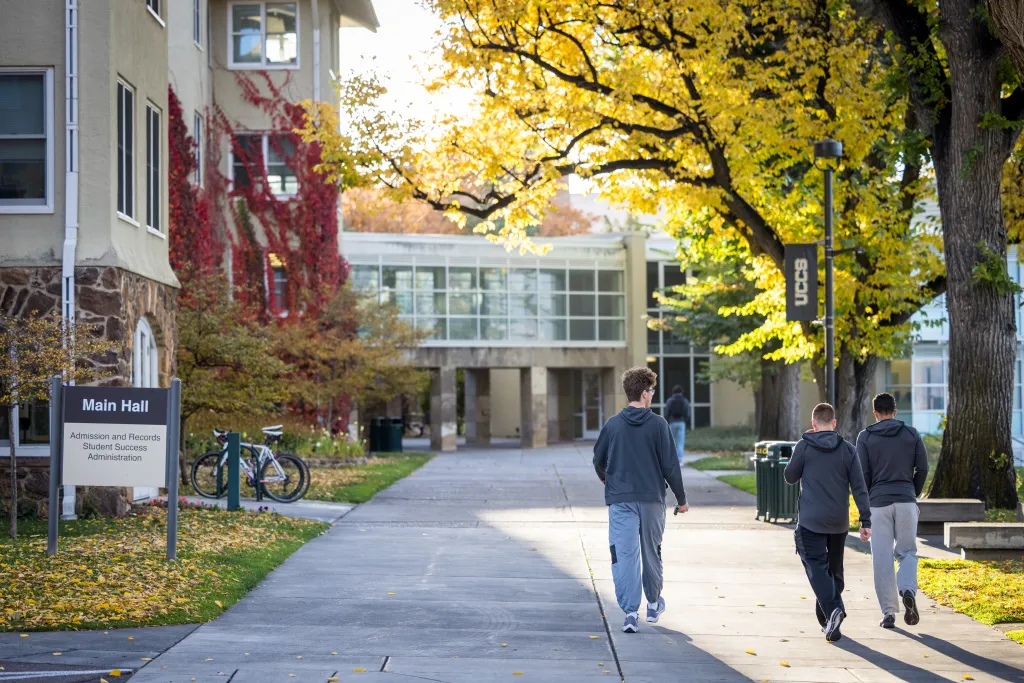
(444, 426)
(533, 398)
(478, 407)
(554, 430)
(636, 298)
(613, 399)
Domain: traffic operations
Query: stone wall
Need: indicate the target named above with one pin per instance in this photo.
(114, 300)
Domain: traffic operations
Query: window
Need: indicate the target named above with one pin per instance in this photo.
(197, 23)
(26, 140)
(125, 150)
(264, 34)
(273, 151)
(197, 135)
(280, 289)
(154, 9)
(153, 203)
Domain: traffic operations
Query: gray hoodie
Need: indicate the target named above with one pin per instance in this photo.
(827, 468)
(634, 456)
(894, 461)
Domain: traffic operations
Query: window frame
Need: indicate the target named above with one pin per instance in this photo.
(153, 7)
(262, 65)
(197, 23)
(154, 190)
(47, 207)
(197, 135)
(265, 152)
(126, 142)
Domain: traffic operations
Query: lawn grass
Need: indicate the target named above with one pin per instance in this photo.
(112, 573)
(723, 461)
(744, 482)
(720, 439)
(991, 592)
(359, 483)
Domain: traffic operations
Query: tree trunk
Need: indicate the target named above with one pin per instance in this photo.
(977, 454)
(854, 387)
(779, 415)
(1008, 18)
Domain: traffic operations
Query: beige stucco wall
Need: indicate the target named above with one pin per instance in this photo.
(115, 37)
(731, 404)
(32, 35)
(505, 411)
(188, 65)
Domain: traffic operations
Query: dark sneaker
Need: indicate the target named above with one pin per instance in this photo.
(888, 621)
(835, 620)
(821, 615)
(911, 616)
(654, 612)
(631, 624)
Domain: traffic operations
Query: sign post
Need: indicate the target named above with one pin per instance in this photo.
(173, 439)
(53, 506)
(801, 282)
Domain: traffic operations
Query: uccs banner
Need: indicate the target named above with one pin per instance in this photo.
(801, 282)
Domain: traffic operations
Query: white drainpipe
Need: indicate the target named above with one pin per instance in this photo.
(70, 190)
(316, 51)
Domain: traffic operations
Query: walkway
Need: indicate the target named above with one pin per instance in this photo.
(493, 566)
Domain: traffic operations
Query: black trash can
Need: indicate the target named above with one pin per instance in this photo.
(376, 434)
(395, 429)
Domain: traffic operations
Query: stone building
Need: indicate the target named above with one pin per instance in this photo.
(83, 160)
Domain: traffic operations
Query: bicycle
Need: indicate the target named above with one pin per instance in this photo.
(283, 477)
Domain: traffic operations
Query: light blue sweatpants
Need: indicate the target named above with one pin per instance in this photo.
(894, 536)
(634, 534)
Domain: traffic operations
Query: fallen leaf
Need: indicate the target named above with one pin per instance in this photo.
(594, 637)
(517, 673)
(358, 671)
(504, 644)
(103, 680)
(24, 635)
(146, 659)
(803, 597)
(783, 640)
(56, 654)
(332, 679)
(390, 593)
(209, 659)
(785, 664)
(760, 604)
(333, 654)
(116, 673)
(131, 637)
(968, 677)
(219, 603)
(750, 652)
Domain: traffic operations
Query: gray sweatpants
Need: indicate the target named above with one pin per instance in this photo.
(894, 535)
(634, 534)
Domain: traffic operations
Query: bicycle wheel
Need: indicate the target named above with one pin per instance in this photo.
(284, 478)
(305, 469)
(204, 475)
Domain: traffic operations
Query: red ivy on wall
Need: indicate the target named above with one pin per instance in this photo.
(193, 244)
(299, 230)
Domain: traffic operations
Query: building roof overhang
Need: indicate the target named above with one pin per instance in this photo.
(357, 13)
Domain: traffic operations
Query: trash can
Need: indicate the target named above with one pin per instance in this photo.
(776, 499)
(395, 428)
(376, 434)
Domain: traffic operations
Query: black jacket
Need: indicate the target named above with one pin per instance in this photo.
(827, 468)
(634, 456)
(677, 409)
(895, 462)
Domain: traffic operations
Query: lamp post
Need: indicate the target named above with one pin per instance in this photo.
(827, 150)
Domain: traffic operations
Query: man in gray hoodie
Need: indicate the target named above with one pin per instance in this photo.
(827, 468)
(895, 465)
(634, 458)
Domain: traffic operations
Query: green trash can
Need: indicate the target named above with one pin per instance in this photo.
(776, 499)
(394, 427)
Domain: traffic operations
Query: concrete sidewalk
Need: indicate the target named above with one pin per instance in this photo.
(493, 565)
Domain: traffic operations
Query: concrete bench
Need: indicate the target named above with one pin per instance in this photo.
(935, 512)
(986, 541)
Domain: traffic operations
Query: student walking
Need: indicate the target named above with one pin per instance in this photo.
(827, 468)
(895, 464)
(677, 412)
(634, 458)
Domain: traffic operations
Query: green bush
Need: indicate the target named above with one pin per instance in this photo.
(721, 439)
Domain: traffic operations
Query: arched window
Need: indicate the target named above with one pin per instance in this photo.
(144, 365)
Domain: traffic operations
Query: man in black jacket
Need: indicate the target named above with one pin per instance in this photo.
(895, 465)
(677, 412)
(826, 467)
(634, 457)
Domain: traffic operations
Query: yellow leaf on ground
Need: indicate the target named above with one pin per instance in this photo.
(517, 673)
(332, 679)
(299, 657)
(219, 603)
(750, 652)
(24, 635)
(504, 644)
(760, 604)
(968, 677)
(594, 637)
(56, 654)
(116, 673)
(358, 671)
(103, 680)
(146, 659)
(390, 593)
(131, 637)
(785, 664)
(332, 654)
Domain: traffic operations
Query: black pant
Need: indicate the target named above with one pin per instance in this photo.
(822, 556)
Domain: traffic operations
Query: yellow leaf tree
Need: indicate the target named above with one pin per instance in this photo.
(704, 110)
(34, 348)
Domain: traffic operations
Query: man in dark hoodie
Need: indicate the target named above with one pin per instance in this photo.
(827, 468)
(895, 465)
(634, 458)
